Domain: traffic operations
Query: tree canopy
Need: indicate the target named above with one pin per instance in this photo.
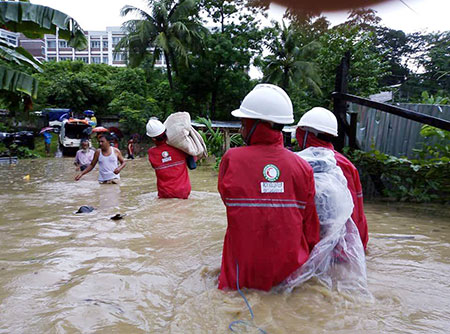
(33, 21)
(211, 47)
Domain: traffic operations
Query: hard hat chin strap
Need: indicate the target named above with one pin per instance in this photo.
(305, 138)
(250, 133)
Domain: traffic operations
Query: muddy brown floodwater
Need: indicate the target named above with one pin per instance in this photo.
(155, 271)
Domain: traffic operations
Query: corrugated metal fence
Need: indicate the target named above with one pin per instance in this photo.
(392, 134)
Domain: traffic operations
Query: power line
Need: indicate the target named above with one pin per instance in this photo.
(403, 2)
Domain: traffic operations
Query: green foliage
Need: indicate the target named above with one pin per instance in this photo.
(18, 151)
(133, 121)
(16, 81)
(304, 57)
(431, 99)
(33, 21)
(134, 111)
(26, 153)
(99, 87)
(171, 28)
(213, 138)
(130, 80)
(424, 179)
(403, 179)
(291, 61)
(440, 149)
(215, 141)
(217, 77)
(366, 65)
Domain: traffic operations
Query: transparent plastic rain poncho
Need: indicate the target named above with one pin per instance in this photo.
(338, 260)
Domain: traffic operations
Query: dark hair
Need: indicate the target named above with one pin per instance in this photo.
(107, 136)
(161, 137)
(325, 137)
(277, 126)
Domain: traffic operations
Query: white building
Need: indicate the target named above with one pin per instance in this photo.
(9, 37)
(100, 47)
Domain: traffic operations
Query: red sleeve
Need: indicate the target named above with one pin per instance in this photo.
(311, 224)
(150, 155)
(362, 221)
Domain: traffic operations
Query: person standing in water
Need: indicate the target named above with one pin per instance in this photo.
(172, 177)
(84, 156)
(108, 158)
(268, 192)
(317, 128)
(130, 149)
(47, 142)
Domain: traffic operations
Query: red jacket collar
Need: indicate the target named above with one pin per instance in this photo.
(311, 140)
(159, 143)
(265, 135)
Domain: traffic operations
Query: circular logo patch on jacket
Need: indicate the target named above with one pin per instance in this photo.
(165, 154)
(271, 172)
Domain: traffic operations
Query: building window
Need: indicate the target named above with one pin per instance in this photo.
(119, 56)
(96, 60)
(63, 44)
(105, 44)
(116, 40)
(9, 37)
(95, 44)
(51, 44)
(65, 58)
(105, 60)
(51, 58)
(83, 59)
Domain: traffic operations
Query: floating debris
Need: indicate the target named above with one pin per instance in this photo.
(85, 209)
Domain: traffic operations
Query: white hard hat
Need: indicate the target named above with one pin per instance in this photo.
(321, 120)
(267, 102)
(155, 127)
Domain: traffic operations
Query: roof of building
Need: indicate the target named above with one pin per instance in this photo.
(234, 125)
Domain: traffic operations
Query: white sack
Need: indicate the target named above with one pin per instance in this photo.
(182, 135)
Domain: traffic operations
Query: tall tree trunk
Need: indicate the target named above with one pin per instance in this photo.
(174, 61)
(214, 93)
(169, 70)
(213, 101)
(285, 82)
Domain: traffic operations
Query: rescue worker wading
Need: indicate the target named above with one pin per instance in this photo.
(169, 164)
(316, 128)
(269, 193)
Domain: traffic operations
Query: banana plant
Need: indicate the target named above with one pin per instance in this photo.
(34, 21)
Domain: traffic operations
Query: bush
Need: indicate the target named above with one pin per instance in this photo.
(440, 150)
(403, 179)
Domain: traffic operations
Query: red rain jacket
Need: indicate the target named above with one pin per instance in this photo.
(269, 234)
(353, 182)
(171, 172)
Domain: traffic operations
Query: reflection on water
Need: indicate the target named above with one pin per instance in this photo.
(156, 270)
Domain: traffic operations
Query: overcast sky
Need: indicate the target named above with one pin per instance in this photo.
(423, 15)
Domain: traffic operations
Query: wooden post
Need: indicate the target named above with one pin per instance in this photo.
(395, 110)
(227, 142)
(353, 128)
(340, 106)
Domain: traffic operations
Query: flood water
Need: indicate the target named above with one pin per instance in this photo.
(155, 271)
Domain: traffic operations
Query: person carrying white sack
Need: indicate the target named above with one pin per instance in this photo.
(181, 135)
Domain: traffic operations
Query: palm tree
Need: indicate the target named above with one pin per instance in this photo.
(289, 64)
(33, 21)
(171, 29)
